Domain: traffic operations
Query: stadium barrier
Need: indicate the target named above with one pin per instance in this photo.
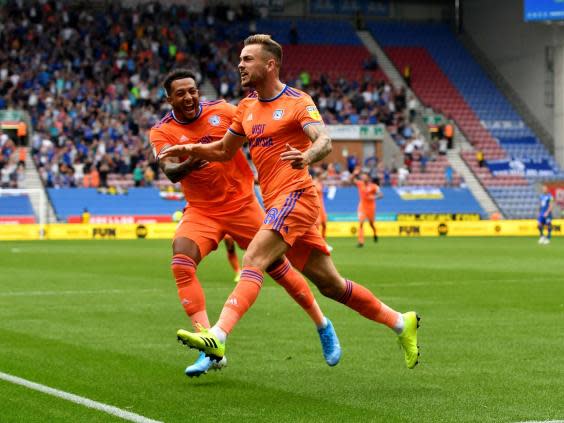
(334, 229)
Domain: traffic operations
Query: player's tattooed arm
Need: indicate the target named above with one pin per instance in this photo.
(321, 140)
(320, 148)
(176, 170)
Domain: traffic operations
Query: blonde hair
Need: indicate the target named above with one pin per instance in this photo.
(268, 44)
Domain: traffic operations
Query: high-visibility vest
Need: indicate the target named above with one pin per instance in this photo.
(22, 129)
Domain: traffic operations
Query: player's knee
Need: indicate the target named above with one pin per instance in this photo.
(330, 286)
(187, 247)
(332, 291)
(260, 261)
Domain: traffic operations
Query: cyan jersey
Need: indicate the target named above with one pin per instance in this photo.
(545, 201)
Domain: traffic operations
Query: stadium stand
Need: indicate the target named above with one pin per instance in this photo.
(447, 78)
(101, 138)
(70, 202)
(16, 209)
(452, 200)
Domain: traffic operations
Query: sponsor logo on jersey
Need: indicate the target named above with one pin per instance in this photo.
(277, 115)
(260, 142)
(214, 120)
(313, 112)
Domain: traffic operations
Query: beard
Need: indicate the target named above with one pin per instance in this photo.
(253, 80)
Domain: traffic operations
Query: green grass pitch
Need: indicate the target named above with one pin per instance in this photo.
(98, 319)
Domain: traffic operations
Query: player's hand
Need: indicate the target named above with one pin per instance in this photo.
(193, 163)
(176, 151)
(299, 160)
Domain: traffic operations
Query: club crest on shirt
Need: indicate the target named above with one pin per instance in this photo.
(183, 138)
(250, 117)
(214, 120)
(271, 216)
(277, 115)
(313, 112)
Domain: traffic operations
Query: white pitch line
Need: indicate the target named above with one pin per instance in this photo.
(543, 421)
(71, 292)
(115, 411)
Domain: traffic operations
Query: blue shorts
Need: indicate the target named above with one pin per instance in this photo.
(544, 220)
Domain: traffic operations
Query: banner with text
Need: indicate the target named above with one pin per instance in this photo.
(334, 229)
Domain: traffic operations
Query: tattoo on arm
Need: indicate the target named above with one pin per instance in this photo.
(321, 146)
(175, 171)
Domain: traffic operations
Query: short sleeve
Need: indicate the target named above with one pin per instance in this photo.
(229, 110)
(236, 127)
(158, 140)
(307, 113)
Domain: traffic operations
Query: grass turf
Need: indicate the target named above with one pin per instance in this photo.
(98, 319)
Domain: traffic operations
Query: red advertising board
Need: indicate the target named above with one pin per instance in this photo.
(14, 220)
(557, 191)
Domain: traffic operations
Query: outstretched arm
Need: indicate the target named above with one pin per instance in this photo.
(320, 148)
(218, 151)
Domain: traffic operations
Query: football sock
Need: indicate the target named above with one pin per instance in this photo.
(233, 260)
(365, 303)
(549, 231)
(361, 235)
(541, 230)
(190, 291)
(219, 334)
(241, 299)
(296, 286)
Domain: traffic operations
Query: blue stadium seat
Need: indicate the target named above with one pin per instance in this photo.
(15, 205)
(480, 93)
(138, 201)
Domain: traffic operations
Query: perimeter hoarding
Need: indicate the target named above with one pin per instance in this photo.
(334, 229)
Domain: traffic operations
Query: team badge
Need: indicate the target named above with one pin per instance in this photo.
(214, 120)
(183, 138)
(250, 117)
(313, 112)
(277, 115)
(271, 216)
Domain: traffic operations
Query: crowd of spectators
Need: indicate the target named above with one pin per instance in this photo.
(90, 79)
